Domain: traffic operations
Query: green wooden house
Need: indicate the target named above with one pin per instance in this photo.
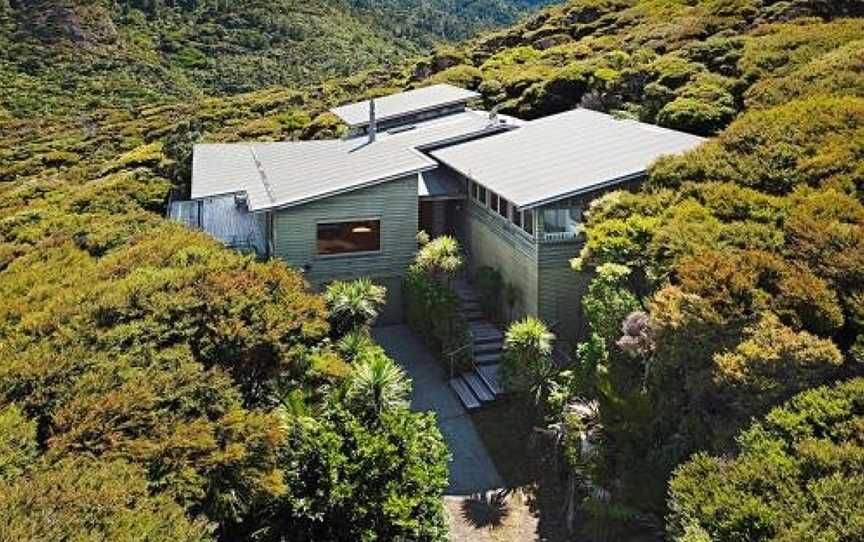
(513, 192)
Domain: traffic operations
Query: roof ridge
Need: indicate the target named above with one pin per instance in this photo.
(264, 180)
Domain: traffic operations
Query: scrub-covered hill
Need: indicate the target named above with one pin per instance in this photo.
(202, 393)
(62, 54)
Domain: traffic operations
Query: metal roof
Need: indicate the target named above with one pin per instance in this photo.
(291, 173)
(562, 155)
(404, 103)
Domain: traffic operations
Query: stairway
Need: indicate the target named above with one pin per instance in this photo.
(480, 385)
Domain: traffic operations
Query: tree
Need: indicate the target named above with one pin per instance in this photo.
(348, 480)
(353, 305)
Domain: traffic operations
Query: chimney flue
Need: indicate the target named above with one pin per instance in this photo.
(373, 124)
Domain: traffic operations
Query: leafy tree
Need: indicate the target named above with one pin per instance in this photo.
(351, 481)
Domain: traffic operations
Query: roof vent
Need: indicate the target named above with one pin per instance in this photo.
(400, 129)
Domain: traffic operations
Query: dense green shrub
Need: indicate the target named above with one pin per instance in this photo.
(432, 312)
(796, 476)
(82, 499)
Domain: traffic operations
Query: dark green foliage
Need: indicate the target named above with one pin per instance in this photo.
(347, 480)
(796, 476)
(432, 311)
(489, 286)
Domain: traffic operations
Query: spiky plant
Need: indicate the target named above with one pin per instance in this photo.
(377, 385)
(440, 257)
(353, 304)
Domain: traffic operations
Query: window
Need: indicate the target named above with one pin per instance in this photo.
(562, 220)
(516, 217)
(528, 221)
(493, 201)
(475, 190)
(349, 237)
(502, 207)
(481, 195)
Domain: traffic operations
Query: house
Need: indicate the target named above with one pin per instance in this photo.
(513, 192)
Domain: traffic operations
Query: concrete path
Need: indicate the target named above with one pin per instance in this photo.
(471, 470)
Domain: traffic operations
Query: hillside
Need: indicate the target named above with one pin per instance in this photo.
(100, 53)
(146, 357)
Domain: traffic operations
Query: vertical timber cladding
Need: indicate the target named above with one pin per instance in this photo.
(495, 243)
(394, 203)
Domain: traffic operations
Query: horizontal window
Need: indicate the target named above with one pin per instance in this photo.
(562, 220)
(349, 237)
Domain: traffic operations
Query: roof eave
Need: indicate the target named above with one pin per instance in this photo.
(581, 191)
(345, 190)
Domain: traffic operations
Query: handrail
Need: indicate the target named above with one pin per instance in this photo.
(451, 355)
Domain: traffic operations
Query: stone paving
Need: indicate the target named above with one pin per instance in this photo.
(471, 470)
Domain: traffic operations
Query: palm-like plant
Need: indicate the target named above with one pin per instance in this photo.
(377, 385)
(440, 256)
(353, 304)
(528, 358)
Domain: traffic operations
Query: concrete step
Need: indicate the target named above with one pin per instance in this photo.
(484, 331)
(479, 387)
(489, 375)
(488, 346)
(463, 391)
(487, 358)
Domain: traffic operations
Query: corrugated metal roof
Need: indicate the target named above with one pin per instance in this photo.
(562, 155)
(292, 173)
(404, 103)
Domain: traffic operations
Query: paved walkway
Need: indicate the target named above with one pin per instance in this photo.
(471, 470)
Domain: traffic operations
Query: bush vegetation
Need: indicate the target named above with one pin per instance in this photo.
(155, 383)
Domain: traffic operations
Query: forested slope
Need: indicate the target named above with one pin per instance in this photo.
(201, 391)
(71, 55)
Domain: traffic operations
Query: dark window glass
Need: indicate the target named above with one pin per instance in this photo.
(528, 221)
(348, 237)
(502, 207)
(475, 191)
(493, 201)
(481, 195)
(516, 217)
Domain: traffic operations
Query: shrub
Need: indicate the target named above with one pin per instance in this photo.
(806, 454)
(87, 500)
(353, 305)
(349, 480)
(527, 362)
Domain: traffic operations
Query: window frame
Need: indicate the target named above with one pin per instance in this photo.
(351, 254)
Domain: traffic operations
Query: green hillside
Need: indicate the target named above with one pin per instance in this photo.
(68, 55)
(153, 382)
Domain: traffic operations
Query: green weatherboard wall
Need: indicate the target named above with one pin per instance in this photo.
(394, 203)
